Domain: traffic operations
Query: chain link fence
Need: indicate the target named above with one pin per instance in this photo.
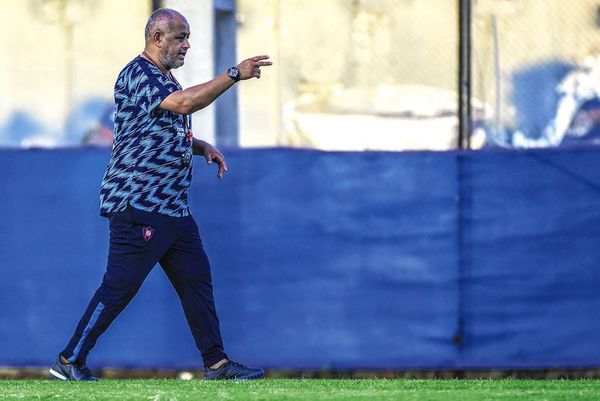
(365, 74)
(348, 74)
(382, 74)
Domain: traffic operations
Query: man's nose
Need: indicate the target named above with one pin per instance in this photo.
(186, 44)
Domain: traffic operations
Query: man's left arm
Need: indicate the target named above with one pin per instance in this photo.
(211, 154)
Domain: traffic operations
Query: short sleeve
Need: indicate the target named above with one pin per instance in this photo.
(150, 87)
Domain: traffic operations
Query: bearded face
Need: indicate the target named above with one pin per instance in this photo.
(176, 44)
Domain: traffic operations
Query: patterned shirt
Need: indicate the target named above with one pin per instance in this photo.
(151, 163)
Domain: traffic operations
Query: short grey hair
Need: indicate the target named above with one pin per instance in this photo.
(157, 17)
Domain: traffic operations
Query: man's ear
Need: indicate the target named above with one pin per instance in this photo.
(157, 38)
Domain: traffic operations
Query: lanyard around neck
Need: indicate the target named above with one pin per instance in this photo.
(150, 59)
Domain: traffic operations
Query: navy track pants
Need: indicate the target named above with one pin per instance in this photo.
(138, 241)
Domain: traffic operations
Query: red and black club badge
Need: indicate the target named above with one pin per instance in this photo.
(148, 232)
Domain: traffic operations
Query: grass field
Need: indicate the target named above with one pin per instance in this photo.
(303, 389)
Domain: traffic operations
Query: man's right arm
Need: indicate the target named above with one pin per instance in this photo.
(197, 97)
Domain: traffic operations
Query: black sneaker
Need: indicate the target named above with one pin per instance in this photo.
(71, 371)
(233, 371)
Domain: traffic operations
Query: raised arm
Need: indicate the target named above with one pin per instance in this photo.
(197, 97)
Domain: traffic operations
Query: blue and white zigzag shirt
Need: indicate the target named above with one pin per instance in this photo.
(151, 163)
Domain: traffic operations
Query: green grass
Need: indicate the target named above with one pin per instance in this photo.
(303, 389)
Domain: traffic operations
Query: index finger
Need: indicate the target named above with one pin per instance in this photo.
(263, 63)
(258, 58)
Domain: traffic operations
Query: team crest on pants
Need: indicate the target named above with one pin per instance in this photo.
(148, 233)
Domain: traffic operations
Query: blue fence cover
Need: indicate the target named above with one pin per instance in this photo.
(415, 260)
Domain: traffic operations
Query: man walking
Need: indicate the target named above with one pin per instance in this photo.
(144, 194)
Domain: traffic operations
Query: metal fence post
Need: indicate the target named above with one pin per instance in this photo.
(464, 84)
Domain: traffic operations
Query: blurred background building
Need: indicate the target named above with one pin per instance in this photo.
(348, 74)
(65, 56)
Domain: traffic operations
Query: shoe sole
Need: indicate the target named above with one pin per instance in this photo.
(251, 377)
(58, 375)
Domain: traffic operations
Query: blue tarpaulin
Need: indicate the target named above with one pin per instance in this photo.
(415, 260)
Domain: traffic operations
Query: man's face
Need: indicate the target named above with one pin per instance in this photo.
(176, 44)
